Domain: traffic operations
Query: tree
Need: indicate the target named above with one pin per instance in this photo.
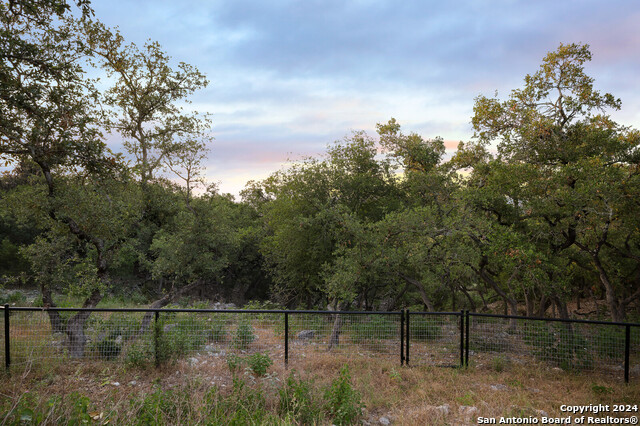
(565, 175)
(144, 105)
(48, 110)
(308, 211)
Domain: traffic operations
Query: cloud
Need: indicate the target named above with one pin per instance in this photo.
(288, 77)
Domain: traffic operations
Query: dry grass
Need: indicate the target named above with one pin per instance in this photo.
(406, 395)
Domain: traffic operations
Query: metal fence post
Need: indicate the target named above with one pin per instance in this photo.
(461, 338)
(627, 350)
(156, 338)
(402, 337)
(286, 340)
(7, 347)
(406, 357)
(466, 336)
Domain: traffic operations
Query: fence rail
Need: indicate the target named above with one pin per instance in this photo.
(140, 336)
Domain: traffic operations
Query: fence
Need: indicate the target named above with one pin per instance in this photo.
(143, 336)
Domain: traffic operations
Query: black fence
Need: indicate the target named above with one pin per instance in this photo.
(152, 336)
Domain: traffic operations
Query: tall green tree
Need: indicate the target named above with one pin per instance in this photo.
(48, 116)
(566, 175)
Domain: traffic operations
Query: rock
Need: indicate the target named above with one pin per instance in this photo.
(467, 411)
(306, 334)
(223, 306)
(133, 383)
(384, 421)
(498, 387)
(210, 348)
(118, 340)
(443, 409)
(193, 361)
(116, 384)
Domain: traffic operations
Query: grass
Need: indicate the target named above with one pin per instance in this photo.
(206, 393)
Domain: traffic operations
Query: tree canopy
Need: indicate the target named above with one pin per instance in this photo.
(538, 210)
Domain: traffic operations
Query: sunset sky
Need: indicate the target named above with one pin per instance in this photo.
(289, 77)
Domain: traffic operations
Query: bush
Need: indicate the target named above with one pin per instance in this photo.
(234, 362)
(139, 354)
(17, 297)
(259, 363)
(163, 407)
(560, 344)
(108, 349)
(343, 403)
(609, 341)
(296, 402)
(243, 336)
(374, 327)
(187, 334)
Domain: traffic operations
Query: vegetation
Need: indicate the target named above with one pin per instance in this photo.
(547, 219)
(324, 392)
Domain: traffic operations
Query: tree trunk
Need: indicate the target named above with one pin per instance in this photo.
(544, 304)
(421, 290)
(54, 316)
(617, 310)
(76, 340)
(334, 340)
(472, 304)
(529, 302)
(162, 302)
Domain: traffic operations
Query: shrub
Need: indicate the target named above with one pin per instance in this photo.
(139, 354)
(234, 362)
(259, 363)
(560, 344)
(296, 401)
(243, 336)
(187, 334)
(217, 331)
(374, 327)
(108, 349)
(343, 403)
(163, 407)
(609, 342)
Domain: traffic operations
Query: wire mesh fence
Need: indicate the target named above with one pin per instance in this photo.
(139, 337)
(434, 338)
(570, 345)
(363, 334)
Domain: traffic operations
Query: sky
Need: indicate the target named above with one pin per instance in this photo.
(287, 78)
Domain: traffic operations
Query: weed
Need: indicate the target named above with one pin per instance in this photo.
(259, 363)
(601, 390)
(159, 407)
(500, 363)
(395, 375)
(297, 402)
(234, 362)
(467, 399)
(139, 354)
(243, 336)
(343, 402)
